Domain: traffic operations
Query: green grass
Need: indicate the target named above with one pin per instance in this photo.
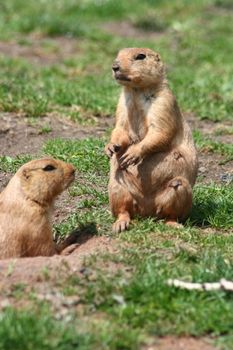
(147, 302)
(125, 298)
(26, 330)
(47, 333)
(196, 47)
(11, 165)
(144, 302)
(35, 91)
(213, 206)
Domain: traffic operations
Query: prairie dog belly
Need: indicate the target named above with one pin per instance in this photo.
(152, 174)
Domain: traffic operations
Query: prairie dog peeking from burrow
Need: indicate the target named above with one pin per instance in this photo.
(26, 206)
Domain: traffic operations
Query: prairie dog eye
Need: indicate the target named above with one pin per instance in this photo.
(140, 56)
(49, 167)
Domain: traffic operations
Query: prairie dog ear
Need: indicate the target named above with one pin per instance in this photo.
(26, 174)
(157, 57)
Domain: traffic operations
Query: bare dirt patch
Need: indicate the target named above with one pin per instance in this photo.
(127, 29)
(211, 169)
(19, 135)
(41, 51)
(183, 343)
(64, 206)
(212, 166)
(211, 129)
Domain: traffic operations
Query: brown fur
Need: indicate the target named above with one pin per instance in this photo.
(26, 205)
(153, 157)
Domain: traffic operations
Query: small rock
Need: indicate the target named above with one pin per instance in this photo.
(227, 178)
(119, 299)
(4, 130)
(202, 169)
(71, 301)
(5, 303)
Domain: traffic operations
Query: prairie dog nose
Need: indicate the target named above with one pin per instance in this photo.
(116, 67)
(71, 169)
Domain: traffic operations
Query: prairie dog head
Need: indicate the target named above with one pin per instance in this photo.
(138, 68)
(43, 179)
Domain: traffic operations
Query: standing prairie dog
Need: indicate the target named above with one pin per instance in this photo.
(153, 157)
(26, 206)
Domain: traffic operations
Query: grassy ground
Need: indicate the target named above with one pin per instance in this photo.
(56, 59)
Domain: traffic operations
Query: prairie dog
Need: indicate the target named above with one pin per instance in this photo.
(26, 206)
(153, 157)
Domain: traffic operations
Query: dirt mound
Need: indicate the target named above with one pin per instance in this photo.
(39, 270)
